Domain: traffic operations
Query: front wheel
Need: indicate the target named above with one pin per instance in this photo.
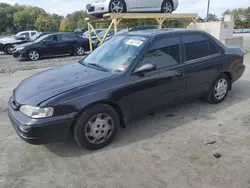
(96, 127)
(8, 49)
(219, 90)
(34, 55)
(167, 7)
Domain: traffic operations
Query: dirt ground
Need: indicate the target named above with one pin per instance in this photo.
(168, 149)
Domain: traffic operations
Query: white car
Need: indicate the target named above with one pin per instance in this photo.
(99, 7)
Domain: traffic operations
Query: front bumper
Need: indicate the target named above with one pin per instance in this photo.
(98, 8)
(19, 55)
(40, 131)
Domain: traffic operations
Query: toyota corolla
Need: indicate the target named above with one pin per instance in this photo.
(130, 74)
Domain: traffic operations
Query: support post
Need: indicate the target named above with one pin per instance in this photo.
(93, 29)
(160, 22)
(106, 34)
(90, 38)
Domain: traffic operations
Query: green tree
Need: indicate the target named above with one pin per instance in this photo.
(77, 20)
(241, 17)
(212, 17)
(6, 21)
(46, 23)
(65, 25)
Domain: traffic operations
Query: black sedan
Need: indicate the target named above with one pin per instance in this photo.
(131, 74)
(8, 44)
(51, 45)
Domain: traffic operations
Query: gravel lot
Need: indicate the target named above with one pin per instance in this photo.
(167, 149)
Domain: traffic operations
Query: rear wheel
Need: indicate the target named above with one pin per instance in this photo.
(79, 50)
(8, 49)
(33, 55)
(219, 90)
(96, 127)
(117, 6)
(167, 6)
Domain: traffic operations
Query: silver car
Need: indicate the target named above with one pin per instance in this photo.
(99, 7)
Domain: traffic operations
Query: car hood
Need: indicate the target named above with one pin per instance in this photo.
(48, 84)
(9, 40)
(24, 44)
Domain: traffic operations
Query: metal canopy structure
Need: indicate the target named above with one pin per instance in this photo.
(114, 19)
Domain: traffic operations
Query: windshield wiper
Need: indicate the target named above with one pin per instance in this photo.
(98, 66)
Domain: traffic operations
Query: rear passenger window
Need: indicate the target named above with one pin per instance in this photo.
(196, 46)
(213, 48)
(164, 53)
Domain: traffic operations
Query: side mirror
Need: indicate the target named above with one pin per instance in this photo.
(145, 68)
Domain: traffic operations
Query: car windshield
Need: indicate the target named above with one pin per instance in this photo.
(116, 54)
(42, 37)
(34, 37)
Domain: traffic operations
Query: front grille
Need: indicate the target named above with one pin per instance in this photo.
(90, 8)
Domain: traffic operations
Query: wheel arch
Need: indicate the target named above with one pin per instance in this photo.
(230, 77)
(107, 102)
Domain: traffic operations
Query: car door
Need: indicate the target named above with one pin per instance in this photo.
(67, 43)
(131, 5)
(50, 46)
(203, 61)
(164, 85)
(149, 5)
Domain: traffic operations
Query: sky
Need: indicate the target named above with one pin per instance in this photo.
(63, 7)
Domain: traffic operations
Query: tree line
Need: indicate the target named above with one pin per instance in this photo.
(20, 18)
(241, 17)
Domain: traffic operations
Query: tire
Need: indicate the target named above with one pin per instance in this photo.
(79, 50)
(167, 6)
(7, 49)
(34, 55)
(222, 84)
(119, 4)
(90, 128)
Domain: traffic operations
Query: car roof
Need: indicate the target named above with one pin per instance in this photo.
(153, 33)
(161, 32)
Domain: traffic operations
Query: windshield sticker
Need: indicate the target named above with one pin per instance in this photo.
(134, 42)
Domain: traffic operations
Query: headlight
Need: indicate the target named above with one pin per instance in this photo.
(36, 112)
(19, 48)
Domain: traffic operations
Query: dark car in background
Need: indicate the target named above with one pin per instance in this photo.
(51, 45)
(7, 45)
(129, 75)
(86, 33)
(121, 30)
(102, 34)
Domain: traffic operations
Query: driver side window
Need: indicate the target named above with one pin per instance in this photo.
(25, 35)
(163, 53)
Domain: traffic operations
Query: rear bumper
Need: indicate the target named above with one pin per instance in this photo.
(238, 72)
(98, 8)
(40, 131)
